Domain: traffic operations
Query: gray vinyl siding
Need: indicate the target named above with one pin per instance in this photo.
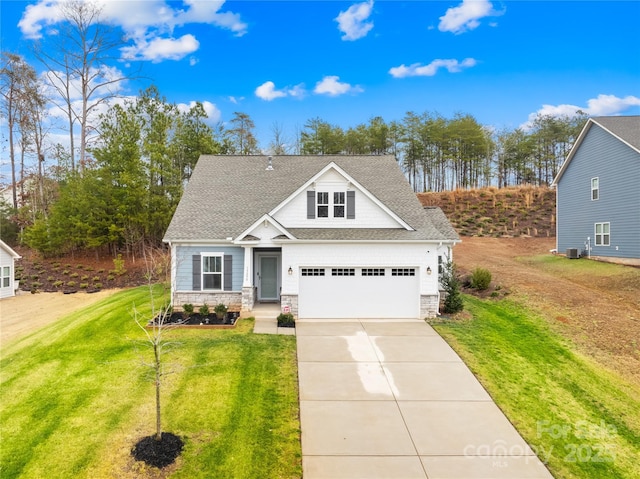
(184, 266)
(618, 168)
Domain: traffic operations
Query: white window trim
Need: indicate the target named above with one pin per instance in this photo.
(331, 204)
(5, 274)
(601, 235)
(202, 272)
(596, 189)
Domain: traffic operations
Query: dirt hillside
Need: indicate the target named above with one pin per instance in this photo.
(510, 212)
(601, 315)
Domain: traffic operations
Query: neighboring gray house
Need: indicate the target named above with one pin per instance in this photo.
(323, 236)
(8, 257)
(598, 191)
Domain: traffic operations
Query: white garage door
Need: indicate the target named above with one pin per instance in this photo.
(359, 293)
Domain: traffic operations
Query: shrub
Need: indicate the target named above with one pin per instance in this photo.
(188, 309)
(96, 278)
(451, 283)
(285, 320)
(65, 272)
(84, 285)
(480, 279)
(111, 277)
(97, 285)
(79, 266)
(84, 277)
(74, 275)
(220, 309)
(118, 265)
(204, 310)
(50, 278)
(58, 283)
(71, 284)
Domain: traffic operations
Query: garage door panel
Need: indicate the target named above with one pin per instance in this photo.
(358, 296)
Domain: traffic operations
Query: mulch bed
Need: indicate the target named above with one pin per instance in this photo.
(196, 319)
(158, 453)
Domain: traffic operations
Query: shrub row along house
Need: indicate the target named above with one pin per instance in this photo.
(598, 191)
(324, 236)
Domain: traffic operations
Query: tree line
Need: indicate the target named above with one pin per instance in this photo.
(114, 184)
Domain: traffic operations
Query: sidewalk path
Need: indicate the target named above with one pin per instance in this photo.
(389, 399)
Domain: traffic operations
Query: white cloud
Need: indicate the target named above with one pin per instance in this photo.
(235, 100)
(212, 111)
(160, 49)
(353, 22)
(417, 69)
(332, 86)
(602, 105)
(466, 16)
(148, 24)
(267, 91)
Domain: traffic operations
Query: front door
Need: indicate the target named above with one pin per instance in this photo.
(268, 289)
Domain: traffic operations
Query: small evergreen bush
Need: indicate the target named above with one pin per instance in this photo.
(480, 279)
(451, 283)
(187, 309)
(285, 320)
(204, 310)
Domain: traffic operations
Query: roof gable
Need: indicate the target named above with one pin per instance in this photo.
(351, 183)
(624, 128)
(9, 250)
(226, 195)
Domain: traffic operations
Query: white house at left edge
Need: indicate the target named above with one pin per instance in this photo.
(323, 236)
(8, 285)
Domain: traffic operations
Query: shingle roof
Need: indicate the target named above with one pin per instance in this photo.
(626, 128)
(227, 194)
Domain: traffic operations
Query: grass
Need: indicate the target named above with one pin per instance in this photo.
(582, 419)
(74, 399)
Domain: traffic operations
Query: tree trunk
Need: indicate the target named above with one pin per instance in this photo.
(156, 351)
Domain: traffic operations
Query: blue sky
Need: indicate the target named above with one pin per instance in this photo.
(345, 62)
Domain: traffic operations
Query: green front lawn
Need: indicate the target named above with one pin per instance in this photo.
(74, 399)
(582, 419)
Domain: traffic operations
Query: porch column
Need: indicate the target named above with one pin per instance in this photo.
(247, 280)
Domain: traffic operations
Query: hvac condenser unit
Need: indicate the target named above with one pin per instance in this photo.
(572, 253)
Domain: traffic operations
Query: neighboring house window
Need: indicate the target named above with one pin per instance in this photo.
(338, 204)
(323, 205)
(440, 266)
(595, 188)
(212, 272)
(6, 276)
(602, 234)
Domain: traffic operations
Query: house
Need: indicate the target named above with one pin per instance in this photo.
(8, 257)
(598, 191)
(323, 236)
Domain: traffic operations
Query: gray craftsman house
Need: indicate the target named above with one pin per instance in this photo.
(598, 191)
(323, 236)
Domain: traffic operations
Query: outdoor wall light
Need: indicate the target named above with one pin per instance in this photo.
(290, 271)
(428, 269)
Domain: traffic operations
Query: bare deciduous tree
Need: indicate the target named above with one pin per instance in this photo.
(78, 67)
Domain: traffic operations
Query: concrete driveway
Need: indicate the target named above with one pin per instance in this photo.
(390, 399)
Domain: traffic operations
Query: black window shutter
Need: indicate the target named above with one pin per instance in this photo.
(351, 205)
(228, 272)
(311, 205)
(197, 272)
